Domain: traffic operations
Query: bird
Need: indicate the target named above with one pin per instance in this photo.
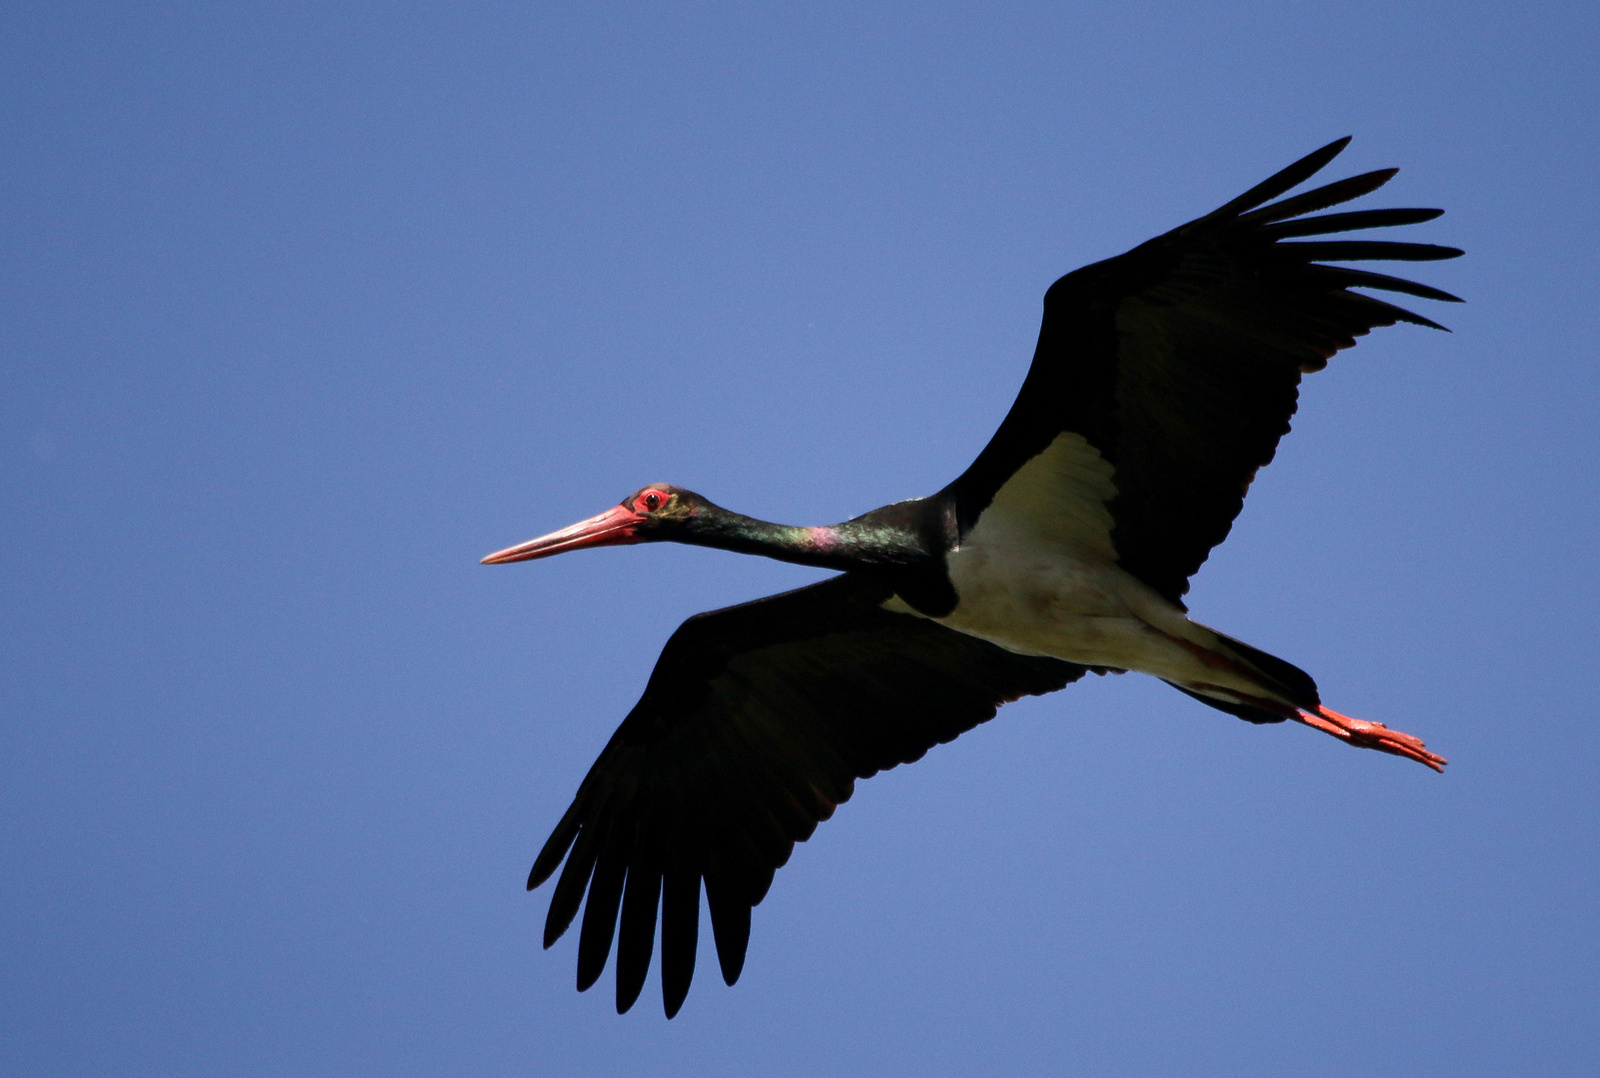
(1163, 379)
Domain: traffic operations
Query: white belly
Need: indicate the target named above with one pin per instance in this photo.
(1038, 575)
(1038, 597)
(1043, 601)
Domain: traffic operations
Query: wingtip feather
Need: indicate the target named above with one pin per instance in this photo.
(555, 847)
(730, 928)
(680, 929)
(1320, 198)
(600, 916)
(1284, 179)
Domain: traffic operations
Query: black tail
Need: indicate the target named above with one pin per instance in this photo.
(1294, 683)
(1244, 711)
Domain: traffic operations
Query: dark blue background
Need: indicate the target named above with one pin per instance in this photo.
(305, 308)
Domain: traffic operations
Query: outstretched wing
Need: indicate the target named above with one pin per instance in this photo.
(1179, 363)
(754, 726)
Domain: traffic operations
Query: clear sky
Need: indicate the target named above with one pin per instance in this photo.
(304, 308)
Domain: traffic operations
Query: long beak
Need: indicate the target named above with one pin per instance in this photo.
(614, 527)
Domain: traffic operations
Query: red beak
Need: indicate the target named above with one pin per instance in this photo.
(614, 527)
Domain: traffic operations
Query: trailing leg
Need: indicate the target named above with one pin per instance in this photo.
(1370, 735)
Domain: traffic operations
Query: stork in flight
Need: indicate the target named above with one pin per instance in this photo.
(1162, 381)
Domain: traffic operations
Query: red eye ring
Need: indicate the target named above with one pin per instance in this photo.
(649, 501)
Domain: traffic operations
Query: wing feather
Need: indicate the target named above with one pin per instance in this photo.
(1180, 361)
(754, 726)
(1347, 222)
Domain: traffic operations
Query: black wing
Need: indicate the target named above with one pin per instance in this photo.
(1180, 361)
(755, 724)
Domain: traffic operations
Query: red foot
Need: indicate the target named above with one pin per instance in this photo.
(1371, 735)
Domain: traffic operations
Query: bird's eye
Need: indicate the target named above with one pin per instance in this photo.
(649, 501)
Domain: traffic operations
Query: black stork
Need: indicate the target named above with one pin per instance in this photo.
(1162, 381)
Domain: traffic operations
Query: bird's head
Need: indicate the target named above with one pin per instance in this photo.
(655, 512)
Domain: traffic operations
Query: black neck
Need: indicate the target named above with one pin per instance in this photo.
(905, 533)
(905, 542)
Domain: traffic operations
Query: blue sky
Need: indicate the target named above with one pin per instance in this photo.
(305, 308)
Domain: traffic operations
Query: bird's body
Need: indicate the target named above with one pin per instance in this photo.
(1163, 380)
(1039, 576)
(1024, 596)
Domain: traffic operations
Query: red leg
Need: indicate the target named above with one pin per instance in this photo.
(1371, 735)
